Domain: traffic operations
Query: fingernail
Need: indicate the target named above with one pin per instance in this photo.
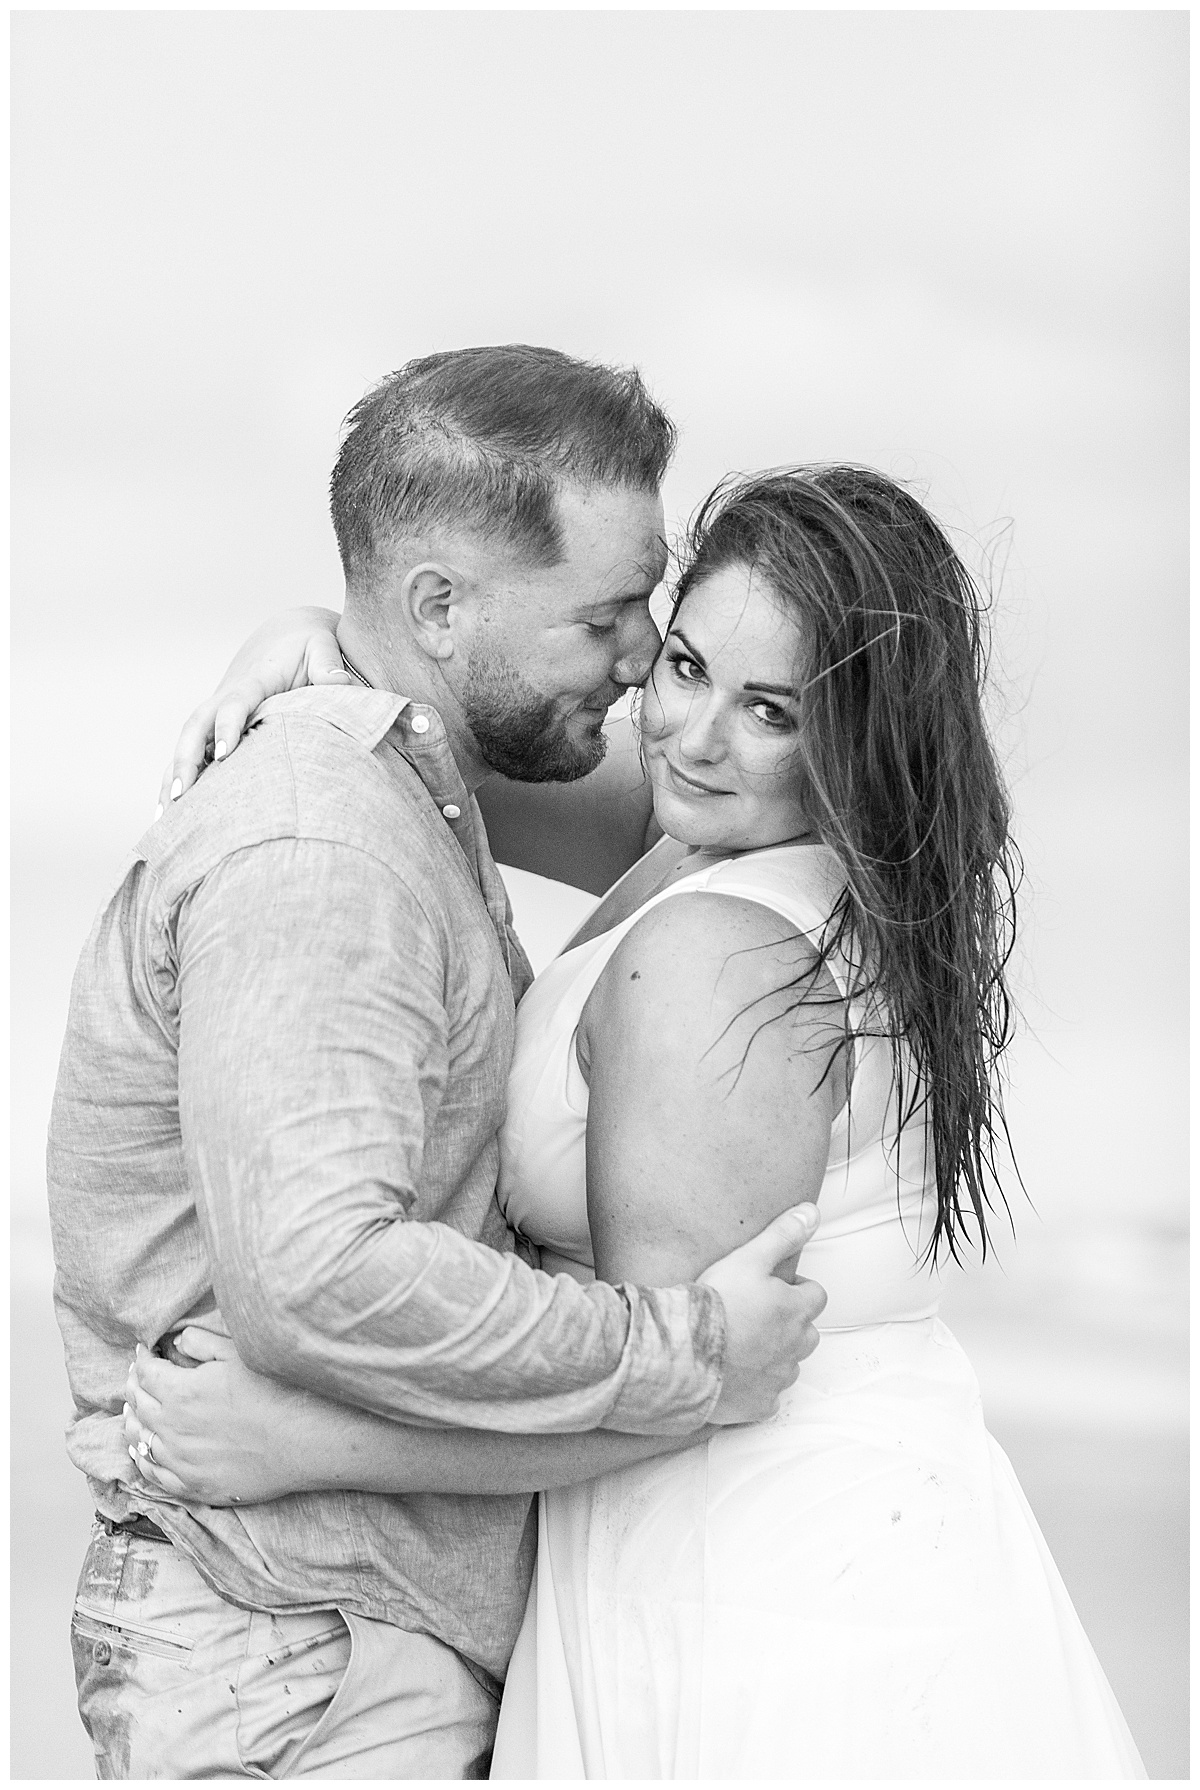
(177, 789)
(158, 812)
(132, 1452)
(125, 1410)
(220, 751)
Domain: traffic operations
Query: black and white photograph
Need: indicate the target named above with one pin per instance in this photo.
(599, 842)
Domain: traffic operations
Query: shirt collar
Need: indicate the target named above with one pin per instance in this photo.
(365, 714)
(415, 729)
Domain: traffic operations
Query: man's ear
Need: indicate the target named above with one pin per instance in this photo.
(431, 597)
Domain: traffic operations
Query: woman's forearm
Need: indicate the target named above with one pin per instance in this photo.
(347, 1449)
(225, 1435)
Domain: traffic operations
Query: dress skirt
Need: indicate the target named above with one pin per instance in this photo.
(855, 1588)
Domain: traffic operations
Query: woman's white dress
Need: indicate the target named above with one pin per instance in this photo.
(855, 1588)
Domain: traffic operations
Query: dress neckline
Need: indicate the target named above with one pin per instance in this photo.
(669, 888)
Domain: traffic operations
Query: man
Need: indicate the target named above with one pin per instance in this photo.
(281, 1088)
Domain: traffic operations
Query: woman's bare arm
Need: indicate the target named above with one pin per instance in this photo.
(224, 1435)
(285, 652)
(710, 1105)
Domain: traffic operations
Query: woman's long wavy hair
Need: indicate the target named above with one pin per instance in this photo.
(902, 784)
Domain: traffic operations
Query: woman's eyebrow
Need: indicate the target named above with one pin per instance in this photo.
(767, 689)
(773, 689)
(678, 634)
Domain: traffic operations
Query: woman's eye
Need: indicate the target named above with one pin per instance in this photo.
(685, 669)
(771, 714)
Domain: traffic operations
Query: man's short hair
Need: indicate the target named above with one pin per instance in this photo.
(479, 438)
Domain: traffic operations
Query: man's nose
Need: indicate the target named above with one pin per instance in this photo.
(639, 649)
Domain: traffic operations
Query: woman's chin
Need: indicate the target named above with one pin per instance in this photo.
(688, 825)
(680, 820)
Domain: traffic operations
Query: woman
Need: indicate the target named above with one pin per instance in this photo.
(855, 1588)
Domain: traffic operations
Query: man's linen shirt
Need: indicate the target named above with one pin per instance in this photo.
(281, 1087)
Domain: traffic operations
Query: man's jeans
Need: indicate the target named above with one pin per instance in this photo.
(176, 1683)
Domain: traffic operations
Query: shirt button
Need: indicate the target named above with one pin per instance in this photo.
(102, 1653)
(452, 810)
(420, 723)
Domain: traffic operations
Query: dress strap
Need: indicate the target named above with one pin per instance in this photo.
(800, 882)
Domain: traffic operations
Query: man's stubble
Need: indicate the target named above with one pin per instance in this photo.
(519, 731)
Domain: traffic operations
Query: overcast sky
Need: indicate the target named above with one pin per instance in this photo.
(949, 243)
(952, 244)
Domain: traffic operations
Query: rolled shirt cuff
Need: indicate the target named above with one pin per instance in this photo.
(677, 1342)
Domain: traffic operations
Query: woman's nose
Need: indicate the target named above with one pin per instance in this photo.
(700, 737)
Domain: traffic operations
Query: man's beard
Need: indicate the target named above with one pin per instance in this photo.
(518, 731)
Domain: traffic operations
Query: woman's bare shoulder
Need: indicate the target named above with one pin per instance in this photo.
(708, 922)
(701, 953)
(700, 981)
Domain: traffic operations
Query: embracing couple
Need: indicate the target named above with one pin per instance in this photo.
(441, 1240)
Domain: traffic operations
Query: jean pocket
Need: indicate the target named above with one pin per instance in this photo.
(303, 1648)
(105, 1637)
(287, 1688)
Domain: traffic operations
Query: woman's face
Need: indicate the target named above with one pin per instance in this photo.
(720, 718)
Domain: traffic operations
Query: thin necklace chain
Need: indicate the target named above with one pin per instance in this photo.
(352, 668)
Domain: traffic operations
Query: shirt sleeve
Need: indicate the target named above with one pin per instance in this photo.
(313, 1053)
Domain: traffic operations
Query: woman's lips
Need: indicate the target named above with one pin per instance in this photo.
(691, 785)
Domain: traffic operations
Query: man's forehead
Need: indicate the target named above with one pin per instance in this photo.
(599, 519)
(647, 564)
(622, 566)
(658, 560)
(629, 578)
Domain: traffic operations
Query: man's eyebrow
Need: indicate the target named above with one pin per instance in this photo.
(649, 573)
(619, 599)
(653, 570)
